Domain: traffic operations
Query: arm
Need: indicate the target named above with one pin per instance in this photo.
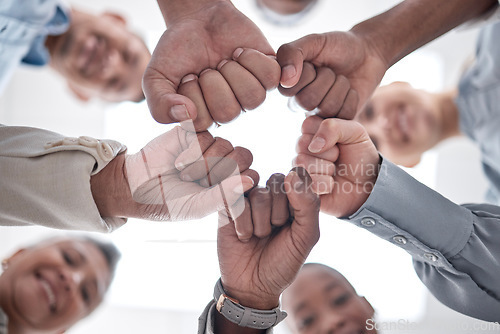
(454, 247)
(363, 54)
(70, 183)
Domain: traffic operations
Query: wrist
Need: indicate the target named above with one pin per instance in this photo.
(111, 191)
(173, 10)
(252, 298)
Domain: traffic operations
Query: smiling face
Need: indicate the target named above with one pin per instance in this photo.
(321, 300)
(100, 57)
(402, 122)
(53, 285)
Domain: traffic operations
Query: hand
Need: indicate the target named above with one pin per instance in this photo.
(355, 70)
(343, 150)
(179, 175)
(202, 39)
(256, 271)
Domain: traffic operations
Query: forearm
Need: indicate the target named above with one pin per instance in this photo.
(172, 10)
(413, 23)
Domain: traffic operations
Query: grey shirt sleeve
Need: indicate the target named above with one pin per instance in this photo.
(45, 179)
(455, 248)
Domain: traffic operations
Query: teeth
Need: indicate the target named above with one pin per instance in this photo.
(50, 294)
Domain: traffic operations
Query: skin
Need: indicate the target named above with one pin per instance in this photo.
(100, 57)
(285, 7)
(74, 270)
(404, 122)
(321, 300)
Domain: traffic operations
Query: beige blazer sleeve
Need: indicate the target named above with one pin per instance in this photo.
(45, 179)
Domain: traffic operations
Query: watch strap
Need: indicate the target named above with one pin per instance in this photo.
(245, 316)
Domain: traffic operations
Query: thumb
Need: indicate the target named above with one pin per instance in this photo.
(335, 131)
(291, 57)
(305, 204)
(165, 104)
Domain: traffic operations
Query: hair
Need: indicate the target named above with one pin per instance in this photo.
(109, 250)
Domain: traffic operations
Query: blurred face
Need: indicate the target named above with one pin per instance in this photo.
(286, 7)
(52, 286)
(402, 122)
(100, 57)
(322, 301)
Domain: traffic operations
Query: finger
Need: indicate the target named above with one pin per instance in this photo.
(226, 196)
(266, 69)
(252, 174)
(235, 162)
(261, 204)
(211, 156)
(165, 104)
(314, 165)
(219, 97)
(190, 88)
(280, 212)
(335, 131)
(308, 75)
(322, 184)
(197, 144)
(304, 142)
(243, 224)
(334, 100)
(312, 96)
(311, 125)
(292, 55)
(247, 89)
(349, 109)
(305, 204)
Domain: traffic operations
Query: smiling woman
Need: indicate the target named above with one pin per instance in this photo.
(48, 287)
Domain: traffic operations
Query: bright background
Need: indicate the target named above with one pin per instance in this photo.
(168, 270)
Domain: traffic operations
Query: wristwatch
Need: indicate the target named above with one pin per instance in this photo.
(243, 316)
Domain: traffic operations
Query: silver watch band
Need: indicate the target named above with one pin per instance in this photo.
(245, 316)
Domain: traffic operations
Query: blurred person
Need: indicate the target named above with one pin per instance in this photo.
(51, 285)
(285, 12)
(404, 122)
(89, 184)
(282, 225)
(322, 300)
(98, 55)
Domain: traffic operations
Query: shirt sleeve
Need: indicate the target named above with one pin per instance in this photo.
(45, 179)
(206, 320)
(455, 248)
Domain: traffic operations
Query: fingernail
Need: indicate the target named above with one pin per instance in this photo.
(316, 145)
(297, 181)
(287, 73)
(187, 78)
(237, 53)
(222, 63)
(204, 71)
(179, 112)
(238, 188)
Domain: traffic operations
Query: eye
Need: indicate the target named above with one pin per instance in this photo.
(306, 322)
(369, 114)
(339, 301)
(68, 258)
(85, 295)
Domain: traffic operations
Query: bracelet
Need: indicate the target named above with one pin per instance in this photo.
(243, 316)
